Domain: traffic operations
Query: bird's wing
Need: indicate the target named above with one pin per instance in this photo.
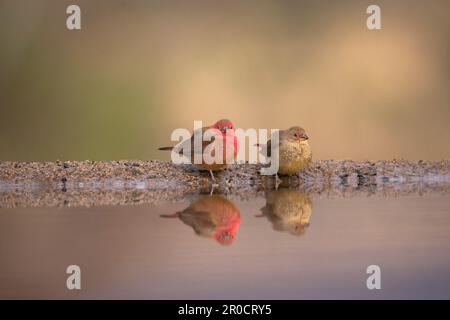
(188, 144)
(200, 221)
(204, 143)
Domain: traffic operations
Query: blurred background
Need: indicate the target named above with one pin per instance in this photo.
(139, 69)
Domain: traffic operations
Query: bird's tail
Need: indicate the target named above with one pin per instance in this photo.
(172, 215)
(166, 148)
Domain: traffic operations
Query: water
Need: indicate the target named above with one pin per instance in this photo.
(238, 252)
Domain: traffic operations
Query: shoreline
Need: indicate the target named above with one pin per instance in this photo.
(88, 183)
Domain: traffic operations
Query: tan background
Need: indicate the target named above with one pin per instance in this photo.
(138, 69)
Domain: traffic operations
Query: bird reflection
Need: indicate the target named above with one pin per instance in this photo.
(212, 216)
(288, 210)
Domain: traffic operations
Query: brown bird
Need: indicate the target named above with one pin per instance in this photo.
(288, 210)
(211, 216)
(294, 153)
(225, 140)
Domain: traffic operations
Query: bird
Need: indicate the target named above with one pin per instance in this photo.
(212, 216)
(294, 152)
(224, 139)
(288, 210)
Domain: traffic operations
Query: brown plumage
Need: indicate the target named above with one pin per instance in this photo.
(294, 152)
(288, 210)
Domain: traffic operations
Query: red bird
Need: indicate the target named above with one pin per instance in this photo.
(227, 140)
(213, 217)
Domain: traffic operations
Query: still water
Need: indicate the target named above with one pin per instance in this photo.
(282, 246)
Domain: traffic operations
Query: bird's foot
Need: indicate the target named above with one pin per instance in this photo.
(213, 186)
(214, 183)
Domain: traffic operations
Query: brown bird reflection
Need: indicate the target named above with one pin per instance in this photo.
(288, 210)
(212, 216)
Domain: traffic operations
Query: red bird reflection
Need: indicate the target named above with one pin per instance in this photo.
(211, 216)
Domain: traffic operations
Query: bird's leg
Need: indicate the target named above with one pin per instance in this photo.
(212, 176)
(277, 181)
(214, 181)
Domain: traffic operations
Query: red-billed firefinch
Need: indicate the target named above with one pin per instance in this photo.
(211, 216)
(224, 139)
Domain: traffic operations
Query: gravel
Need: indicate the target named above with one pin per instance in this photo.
(89, 183)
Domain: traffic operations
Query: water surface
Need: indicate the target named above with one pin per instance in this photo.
(284, 246)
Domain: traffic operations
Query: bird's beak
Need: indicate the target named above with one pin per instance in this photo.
(304, 136)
